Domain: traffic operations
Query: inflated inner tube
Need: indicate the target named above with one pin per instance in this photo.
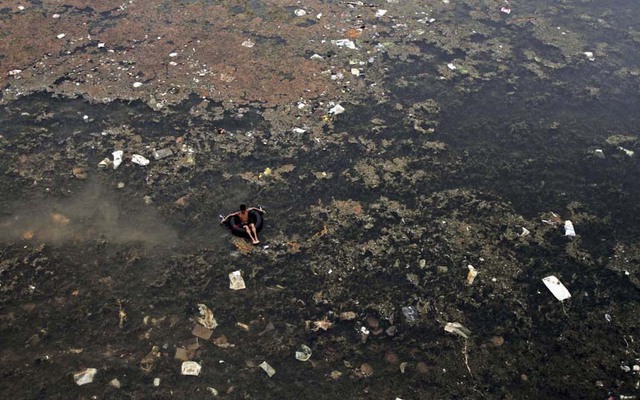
(236, 228)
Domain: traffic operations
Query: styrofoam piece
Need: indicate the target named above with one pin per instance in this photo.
(191, 368)
(556, 287)
(140, 160)
(117, 158)
(568, 228)
(235, 281)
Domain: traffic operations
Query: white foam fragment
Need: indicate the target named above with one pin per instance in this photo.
(568, 228)
(556, 287)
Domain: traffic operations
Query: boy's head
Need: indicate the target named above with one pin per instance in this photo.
(243, 207)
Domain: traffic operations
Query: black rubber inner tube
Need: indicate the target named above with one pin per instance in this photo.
(238, 230)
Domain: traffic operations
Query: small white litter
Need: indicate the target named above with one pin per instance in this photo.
(568, 228)
(300, 12)
(268, 369)
(380, 13)
(84, 377)
(191, 368)
(117, 158)
(61, 35)
(248, 43)
(626, 151)
(303, 353)
(14, 72)
(345, 43)
(589, 55)
(556, 287)
(337, 109)
(298, 130)
(471, 275)
(138, 159)
(452, 67)
(235, 281)
(458, 329)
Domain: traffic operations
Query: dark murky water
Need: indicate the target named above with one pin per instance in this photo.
(528, 145)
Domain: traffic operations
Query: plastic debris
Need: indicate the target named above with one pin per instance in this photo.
(380, 13)
(235, 281)
(505, 10)
(115, 383)
(589, 55)
(248, 43)
(410, 313)
(137, 84)
(104, 163)
(471, 275)
(202, 332)
(156, 382)
(268, 369)
(345, 43)
(525, 232)
(117, 158)
(300, 12)
(630, 153)
(298, 130)
(355, 72)
(598, 153)
(568, 228)
(191, 368)
(14, 72)
(452, 66)
(140, 160)
(316, 56)
(207, 320)
(303, 353)
(337, 109)
(61, 35)
(348, 315)
(556, 287)
(458, 329)
(84, 377)
(162, 153)
(213, 391)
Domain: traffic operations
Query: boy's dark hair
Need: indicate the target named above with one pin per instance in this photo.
(243, 207)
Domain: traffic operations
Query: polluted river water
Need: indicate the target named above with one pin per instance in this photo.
(418, 163)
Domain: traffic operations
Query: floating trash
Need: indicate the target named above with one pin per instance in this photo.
(104, 163)
(410, 313)
(345, 43)
(206, 319)
(84, 377)
(162, 153)
(235, 281)
(191, 368)
(268, 369)
(568, 228)
(337, 109)
(471, 275)
(556, 287)
(117, 158)
(458, 329)
(304, 353)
